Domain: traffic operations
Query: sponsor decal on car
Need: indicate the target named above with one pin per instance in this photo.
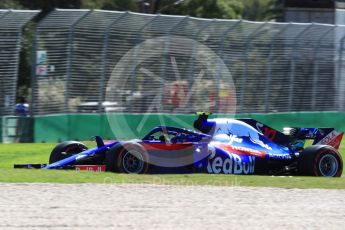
(332, 139)
(92, 168)
(266, 131)
(234, 138)
(232, 164)
(279, 156)
(242, 150)
(259, 142)
(227, 138)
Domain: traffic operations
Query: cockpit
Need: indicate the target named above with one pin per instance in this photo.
(232, 127)
(167, 134)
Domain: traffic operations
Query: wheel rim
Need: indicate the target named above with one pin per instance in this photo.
(328, 165)
(133, 162)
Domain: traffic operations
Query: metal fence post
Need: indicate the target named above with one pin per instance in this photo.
(2, 111)
(165, 52)
(191, 62)
(105, 59)
(5, 14)
(19, 35)
(269, 65)
(221, 54)
(249, 40)
(11, 25)
(230, 28)
(293, 63)
(33, 73)
(339, 77)
(135, 53)
(70, 55)
(316, 66)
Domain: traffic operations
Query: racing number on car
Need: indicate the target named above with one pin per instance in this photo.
(268, 132)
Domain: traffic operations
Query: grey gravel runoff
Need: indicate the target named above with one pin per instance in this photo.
(130, 206)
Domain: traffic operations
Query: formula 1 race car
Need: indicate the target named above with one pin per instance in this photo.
(220, 145)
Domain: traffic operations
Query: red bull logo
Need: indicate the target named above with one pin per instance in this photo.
(233, 164)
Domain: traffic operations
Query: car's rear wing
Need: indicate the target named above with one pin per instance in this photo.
(321, 136)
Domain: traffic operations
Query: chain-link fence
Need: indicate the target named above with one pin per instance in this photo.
(102, 61)
(11, 23)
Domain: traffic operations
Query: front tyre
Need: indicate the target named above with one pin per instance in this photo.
(128, 157)
(320, 160)
(66, 149)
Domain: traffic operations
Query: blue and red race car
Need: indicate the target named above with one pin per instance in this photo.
(219, 145)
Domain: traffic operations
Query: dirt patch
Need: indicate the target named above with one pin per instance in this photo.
(91, 206)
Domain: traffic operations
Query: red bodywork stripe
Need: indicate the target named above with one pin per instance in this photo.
(241, 150)
(166, 146)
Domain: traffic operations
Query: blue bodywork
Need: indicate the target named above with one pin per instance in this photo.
(221, 145)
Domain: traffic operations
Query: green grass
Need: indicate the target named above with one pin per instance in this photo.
(39, 153)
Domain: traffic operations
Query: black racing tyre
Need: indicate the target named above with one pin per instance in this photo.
(129, 157)
(320, 160)
(66, 149)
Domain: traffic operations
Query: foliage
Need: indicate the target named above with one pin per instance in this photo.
(208, 8)
(10, 4)
(255, 10)
(262, 10)
(25, 60)
(119, 5)
(49, 5)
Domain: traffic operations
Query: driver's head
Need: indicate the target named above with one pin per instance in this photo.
(162, 138)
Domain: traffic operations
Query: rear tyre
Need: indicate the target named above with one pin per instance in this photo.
(128, 157)
(66, 149)
(320, 160)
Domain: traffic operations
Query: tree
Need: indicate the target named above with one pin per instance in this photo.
(49, 5)
(10, 4)
(262, 10)
(230, 9)
(119, 5)
(254, 10)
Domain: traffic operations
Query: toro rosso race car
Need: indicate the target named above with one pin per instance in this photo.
(219, 145)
